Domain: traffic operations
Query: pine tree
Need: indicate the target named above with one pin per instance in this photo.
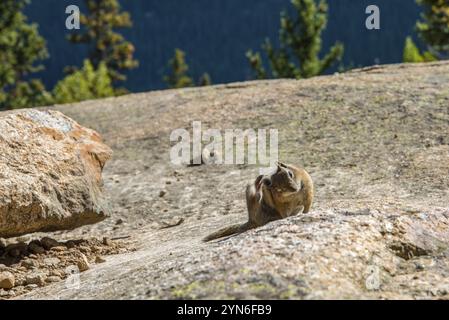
(26, 94)
(204, 80)
(300, 44)
(434, 29)
(106, 45)
(21, 48)
(85, 84)
(413, 55)
(179, 76)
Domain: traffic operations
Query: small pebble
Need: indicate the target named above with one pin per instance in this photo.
(84, 249)
(52, 279)
(16, 250)
(99, 259)
(36, 248)
(31, 286)
(83, 263)
(35, 278)
(49, 243)
(59, 248)
(30, 263)
(56, 273)
(107, 241)
(7, 280)
(70, 244)
(51, 261)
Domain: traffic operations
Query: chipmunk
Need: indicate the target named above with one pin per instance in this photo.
(283, 194)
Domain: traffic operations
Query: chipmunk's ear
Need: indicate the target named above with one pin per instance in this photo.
(280, 165)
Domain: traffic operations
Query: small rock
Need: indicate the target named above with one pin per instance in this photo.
(15, 253)
(107, 241)
(52, 279)
(16, 250)
(20, 281)
(162, 193)
(99, 259)
(20, 268)
(96, 249)
(30, 263)
(83, 263)
(119, 221)
(51, 261)
(84, 249)
(59, 249)
(35, 278)
(57, 273)
(73, 251)
(18, 289)
(70, 244)
(7, 280)
(49, 243)
(419, 266)
(31, 286)
(35, 247)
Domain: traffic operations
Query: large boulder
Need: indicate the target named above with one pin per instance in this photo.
(50, 173)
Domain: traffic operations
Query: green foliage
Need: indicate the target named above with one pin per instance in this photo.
(204, 80)
(255, 61)
(412, 54)
(434, 29)
(300, 44)
(179, 77)
(106, 45)
(85, 84)
(28, 94)
(411, 51)
(21, 47)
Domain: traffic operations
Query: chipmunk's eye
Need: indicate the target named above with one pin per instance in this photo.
(267, 182)
(290, 174)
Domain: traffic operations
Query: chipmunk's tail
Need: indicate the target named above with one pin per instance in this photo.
(228, 231)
